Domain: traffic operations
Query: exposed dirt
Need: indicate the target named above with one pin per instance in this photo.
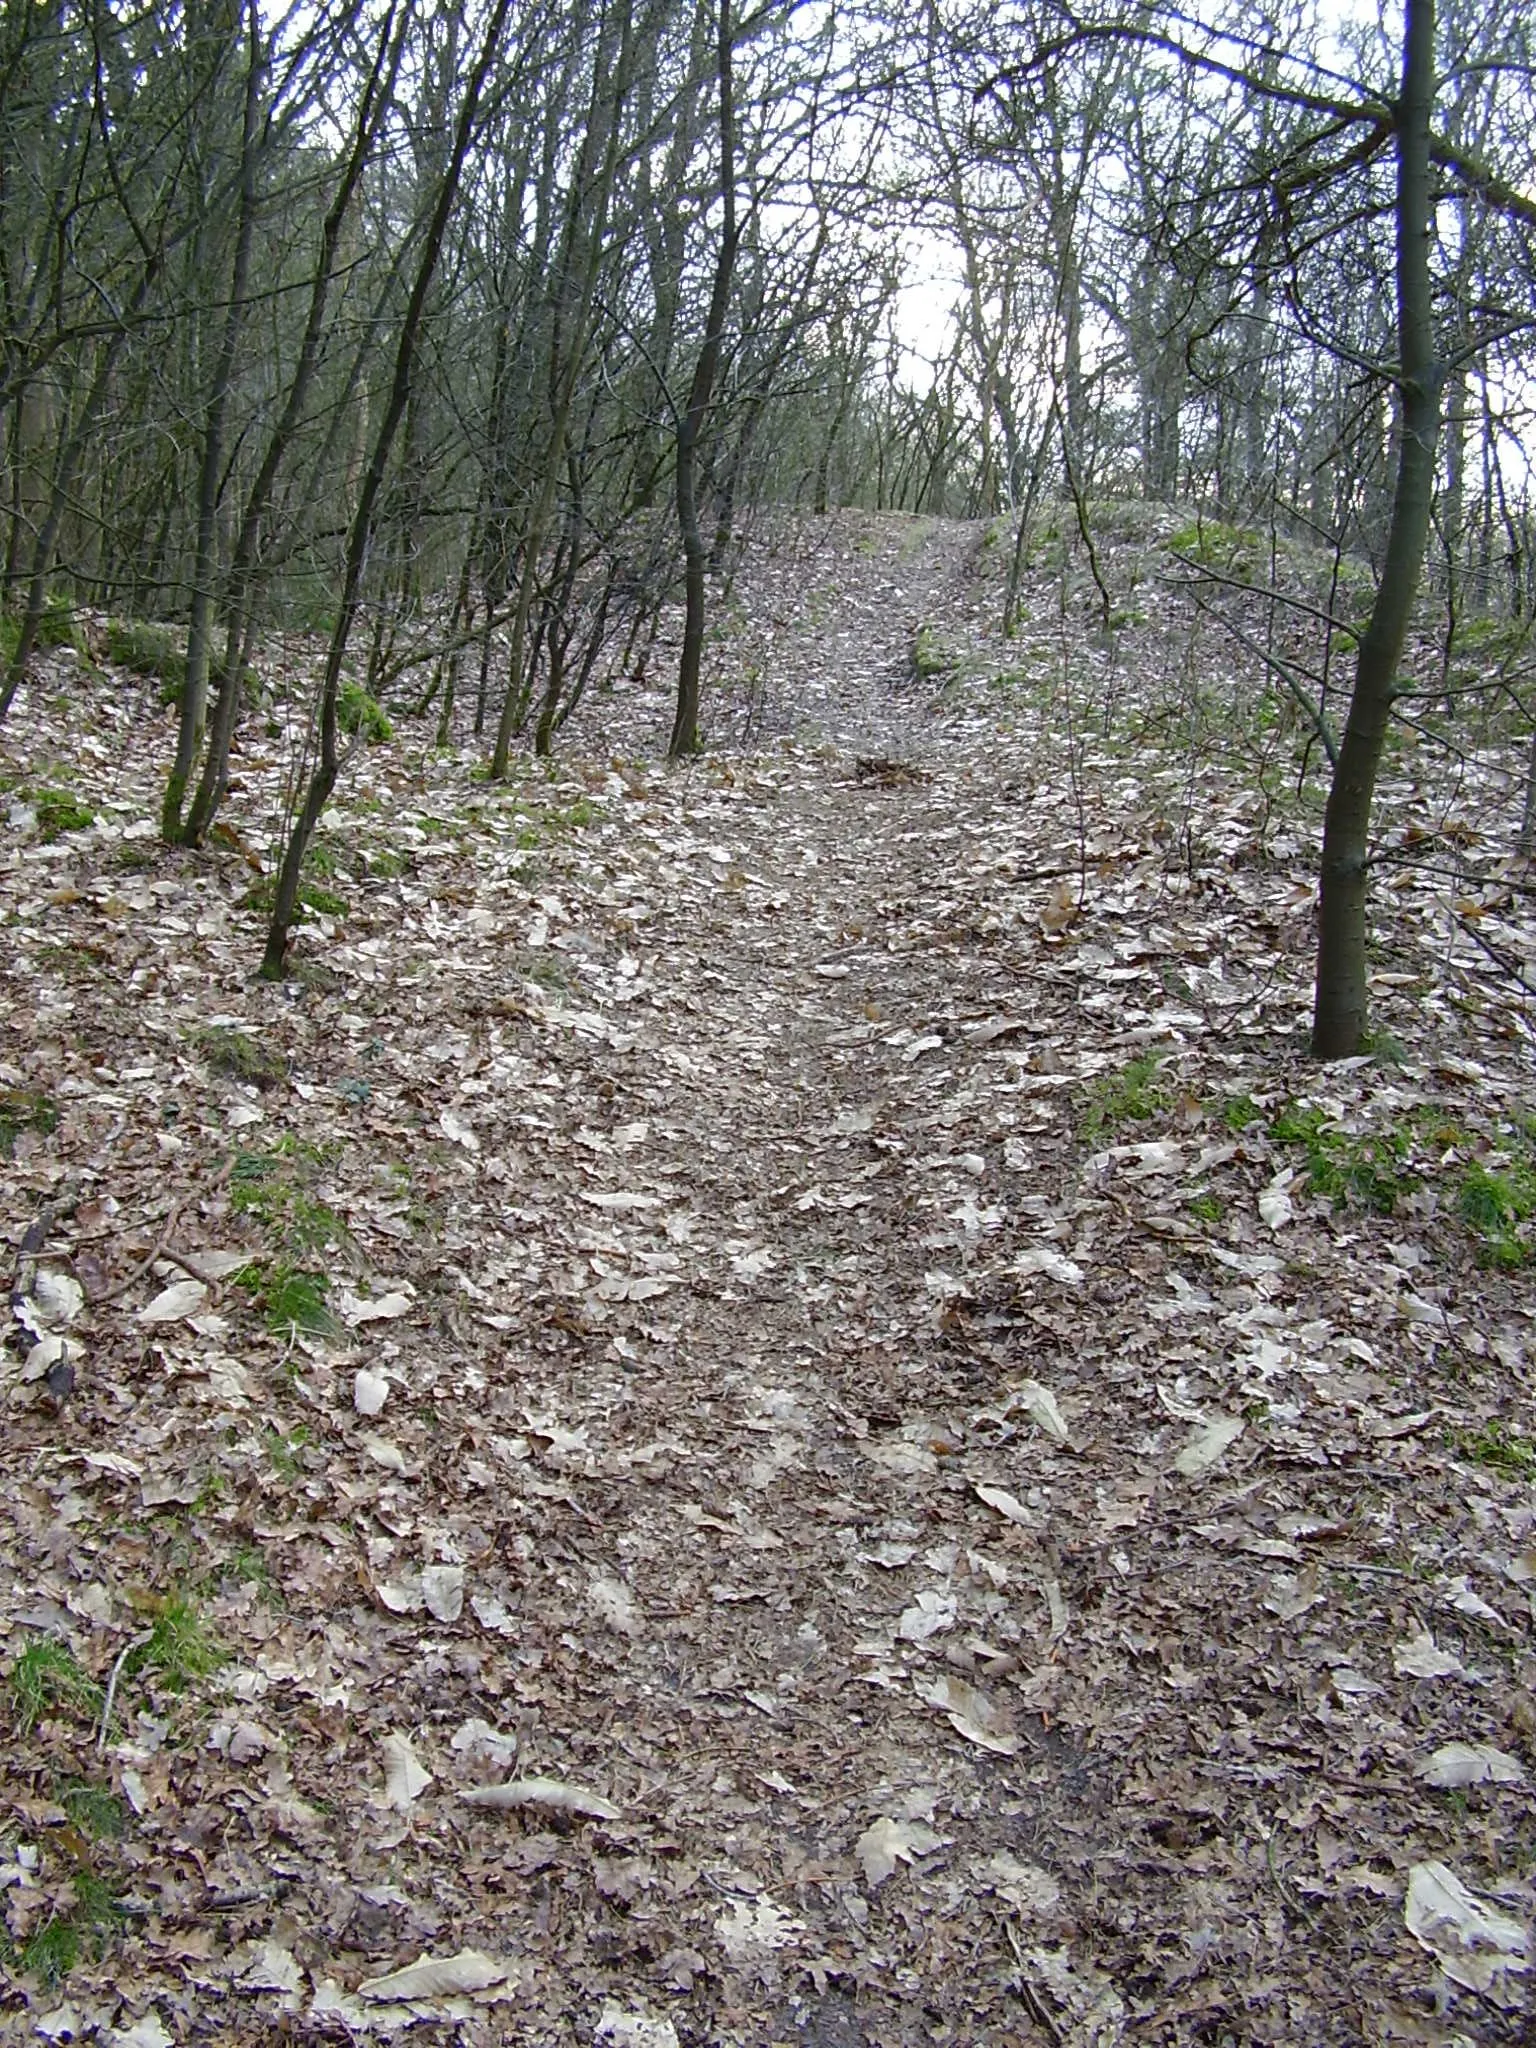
(969, 1543)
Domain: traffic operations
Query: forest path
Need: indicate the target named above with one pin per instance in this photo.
(960, 1521)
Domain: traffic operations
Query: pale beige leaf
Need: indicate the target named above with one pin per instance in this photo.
(1039, 1404)
(1470, 1763)
(886, 1842)
(405, 1776)
(437, 1977)
(1006, 1505)
(972, 1714)
(442, 1588)
(174, 1304)
(1475, 1945)
(618, 2029)
(370, 1390)
(1420, 1657)
(1044, 1258)
(1025, 1886)
(552, 1794)
(1208, 1446)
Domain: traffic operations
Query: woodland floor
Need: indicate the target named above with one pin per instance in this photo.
(973, 1538)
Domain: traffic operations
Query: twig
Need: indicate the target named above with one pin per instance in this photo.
(1506, 967)
(158, 1251)
(36, 1236)
(1282, 669)
(162, 1249)
(117, 1671)
(1287, 1895)
(1027, 1992)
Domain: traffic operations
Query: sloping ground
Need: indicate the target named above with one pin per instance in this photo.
(951, 1534)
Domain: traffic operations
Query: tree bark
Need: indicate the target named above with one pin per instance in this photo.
(194, 690)
(328, 765)
(1341, 1004)
(685, 725)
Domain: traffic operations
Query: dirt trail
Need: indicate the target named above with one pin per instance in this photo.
(787, 1387)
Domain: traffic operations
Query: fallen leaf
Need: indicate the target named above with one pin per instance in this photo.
(1469, 1763)
(461, 1133)
(1275, 1205)
(56, 1299)
(437, 1977)
(1475, 1945)
(886, 1842)
(618, 2029)
(1419, 1657)
(405, 1777)
(1208, 1446)
(972, 1714)
(1039, 1404)
(549, 1793)
(1043, 1258)
(1024, 1885)
(613, 1603)
(355, 1309)
(929, 1615)
(749, 1930)
(174, 1304)
(1060, 906)
(370, 1390)
(442, 1590)
(1005, 1504)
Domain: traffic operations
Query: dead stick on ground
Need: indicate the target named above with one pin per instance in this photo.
(161, 1250)
(36, 1236)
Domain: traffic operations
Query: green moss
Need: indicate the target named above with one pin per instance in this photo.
(285, 1452)
(46, 1680)
(359, 714)
(58, 626)
(86, 1926)
(181, 1648)
(1350, 1170)
(1495, 1204)
(1133, 1096)
(25, 1109)
(321, 902)
(1240, 1112)
(231, 1051)
(94, 1810)
(1500, 1449)
(1213, 544)
(1490, 640)
(59, 811)
(145, 649)
(269, 1192)
(291, 1298)
(930, 658)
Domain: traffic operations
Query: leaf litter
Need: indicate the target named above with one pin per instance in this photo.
(785, 1312)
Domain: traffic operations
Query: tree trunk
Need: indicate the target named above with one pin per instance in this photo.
(194, 689)
(685, 726)
(328, 765)
(240, 592)
(1341, 1001)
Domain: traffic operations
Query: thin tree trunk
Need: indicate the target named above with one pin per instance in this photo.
(597, 165)
(328, 765)
(685, 725)
(40, 566)
(1341, 998)
(194, 690)
(240, 589)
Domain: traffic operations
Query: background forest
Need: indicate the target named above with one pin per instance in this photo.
(468, 341)
(841, 1349)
